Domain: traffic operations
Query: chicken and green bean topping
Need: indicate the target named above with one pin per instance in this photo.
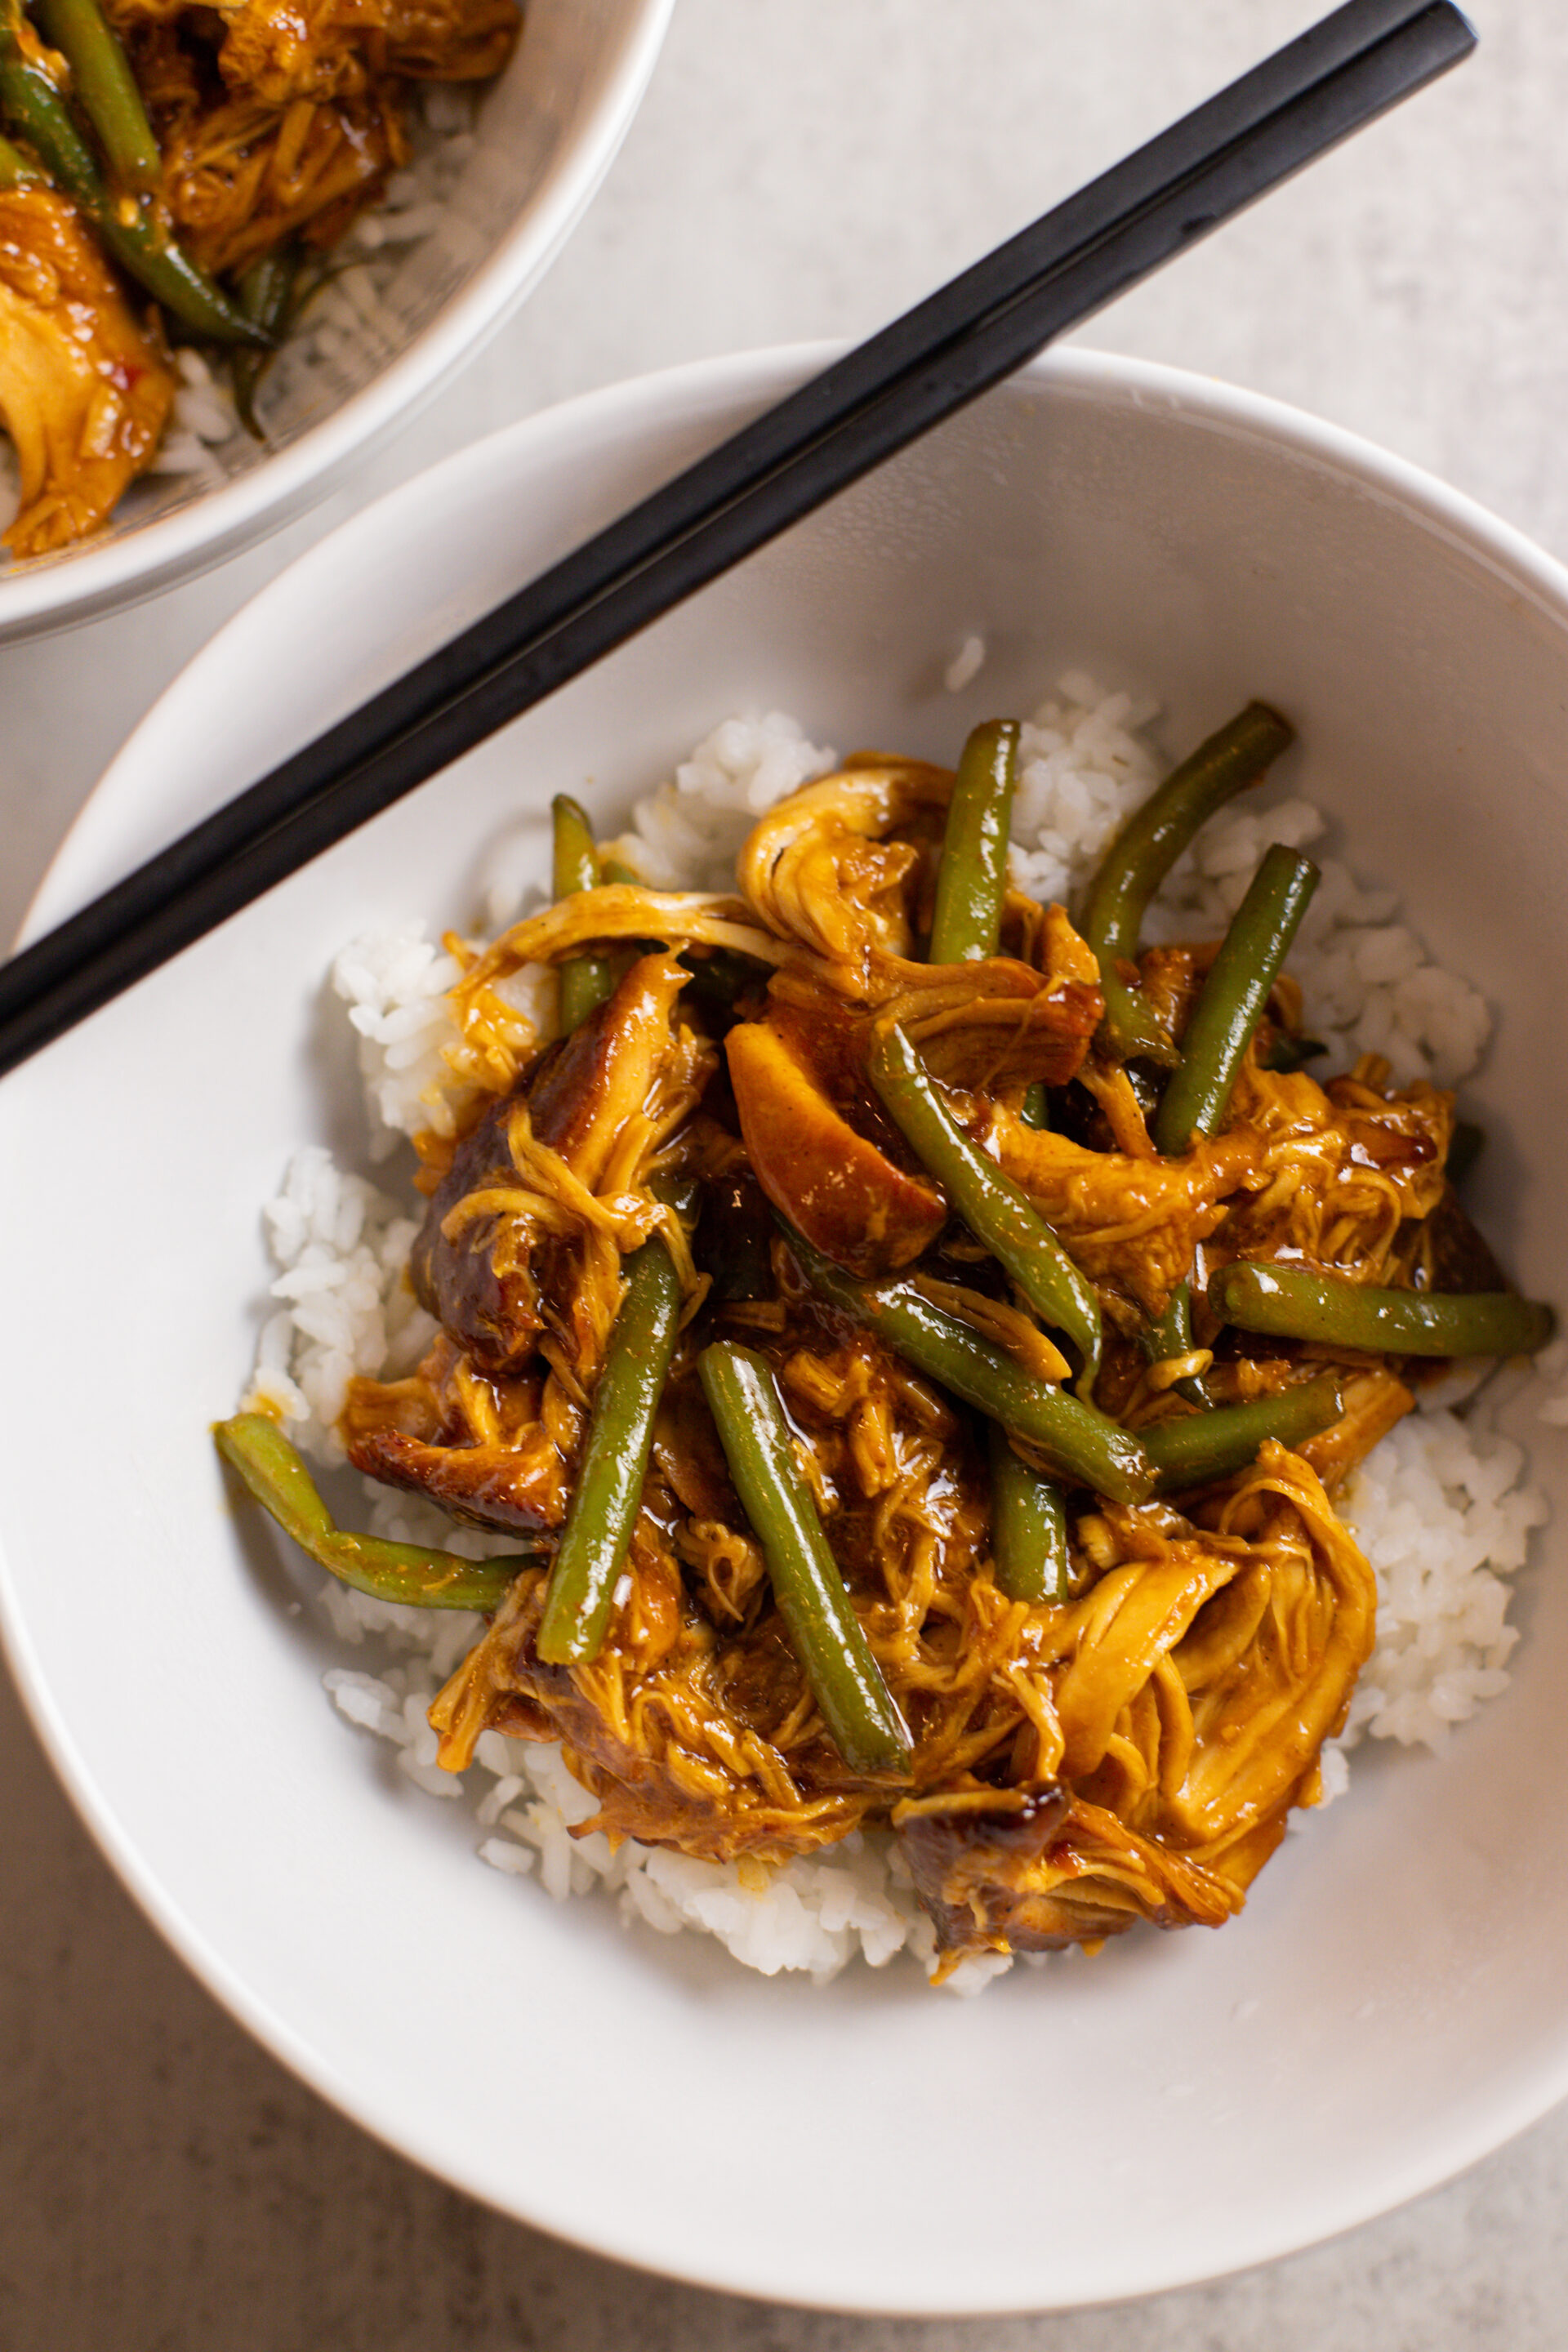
(182, 171)
(915, 1342)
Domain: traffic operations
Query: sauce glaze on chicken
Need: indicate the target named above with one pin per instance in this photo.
(1129, 1750)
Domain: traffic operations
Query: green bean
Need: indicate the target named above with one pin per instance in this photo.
(1170, 1337)
(35, 111)
(971, 879)
(587, 981)
(1231, 1003)
(18, 170)
(1289, 1303)
(1147, 847)
(680, 1192)
(1036, 1108)
(265, 297)
(1079, 1445)
(158, 265)
(855, 1703)
(1218, 1032)
(1208, 1445)
(996, 1209)
(106, 88)
(1028, 1527)
(610, 1477)
(412, 1574)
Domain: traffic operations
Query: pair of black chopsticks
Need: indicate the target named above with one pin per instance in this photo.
(931, 362)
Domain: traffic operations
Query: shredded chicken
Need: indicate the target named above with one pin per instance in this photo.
(1130, 1751)
(281, 118)
(84, 390)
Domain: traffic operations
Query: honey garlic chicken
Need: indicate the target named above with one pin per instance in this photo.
(918, 1340)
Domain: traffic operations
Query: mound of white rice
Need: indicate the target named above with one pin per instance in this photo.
(1440, 1508)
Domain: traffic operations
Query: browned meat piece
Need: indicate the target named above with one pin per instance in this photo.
(1374, 1400)
(836, 868)
(519, 1255)
(999, 1025)
(478, 1280)
(527, 1177)
(493, 1452)
(1132, 1223)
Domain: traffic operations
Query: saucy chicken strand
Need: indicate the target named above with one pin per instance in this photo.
(915, 1341)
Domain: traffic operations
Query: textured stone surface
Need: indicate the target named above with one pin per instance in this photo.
(802, 168)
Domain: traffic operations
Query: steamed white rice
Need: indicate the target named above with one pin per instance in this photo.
(1442, 1507)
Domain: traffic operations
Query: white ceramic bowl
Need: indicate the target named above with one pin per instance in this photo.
(1391, 2005)
(546, 134)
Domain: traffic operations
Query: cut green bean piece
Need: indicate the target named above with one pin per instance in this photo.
(971, 879)
(1232, 1001)
(1208, 1445)
(861, 1714)
(412, 1574)
(1170, 1337)
(996, 1209)
(106, 89)
(1028, 1527)
(1144, 852)
(1077, 1444)
(1289, 1303)
(266, 299)
(187, 292)
(1036, 1108)
(19, 171)
(33, 110)
(608, 1492)
(587, 981)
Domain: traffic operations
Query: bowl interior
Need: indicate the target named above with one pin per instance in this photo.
(1389, 2005)
(544, 135)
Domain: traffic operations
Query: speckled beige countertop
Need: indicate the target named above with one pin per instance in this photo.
(801, 168)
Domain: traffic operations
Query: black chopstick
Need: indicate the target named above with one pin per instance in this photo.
(876, 400)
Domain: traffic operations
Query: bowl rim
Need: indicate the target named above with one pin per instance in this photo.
(729, 381)
(90, 583)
